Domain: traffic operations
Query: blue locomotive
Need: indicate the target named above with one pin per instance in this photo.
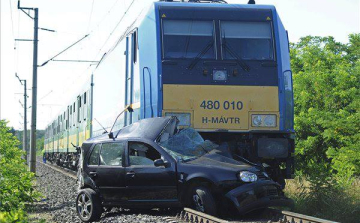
(222, 69)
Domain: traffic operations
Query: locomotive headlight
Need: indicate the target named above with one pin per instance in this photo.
(219, 75)
(247, 176)
(263, 120)
(184, 118)
(270, 120)
(256, 120)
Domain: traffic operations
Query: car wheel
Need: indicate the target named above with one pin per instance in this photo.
(88, 205)
(202, 200)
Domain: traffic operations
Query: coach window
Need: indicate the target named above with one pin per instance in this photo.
(249, 40)
(70, 117)
(188, 39)
(134, 45)
(112, 154)
(58, 124)
(79, 109)
(94, 157)
(74, 116)
(85, 107)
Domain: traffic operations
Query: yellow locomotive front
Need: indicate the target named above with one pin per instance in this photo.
(225, 71)
(215, 108)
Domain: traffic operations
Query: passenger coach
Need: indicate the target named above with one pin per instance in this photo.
(223, 69)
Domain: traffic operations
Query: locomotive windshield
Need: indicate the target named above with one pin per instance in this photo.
(187, 38)
(239, 40)
(249, 40)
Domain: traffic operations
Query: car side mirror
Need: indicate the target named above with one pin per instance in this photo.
(159, 162)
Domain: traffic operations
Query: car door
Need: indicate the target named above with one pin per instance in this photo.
(109, 173)
(145, 182)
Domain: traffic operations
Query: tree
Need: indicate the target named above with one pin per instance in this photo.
(327, 103)
(16, 183)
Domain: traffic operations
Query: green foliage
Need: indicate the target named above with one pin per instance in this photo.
(326, 200)
(17, 215)
(40, 146)
(16, 183)
(20, 134)
(327, 103)
(327, 124)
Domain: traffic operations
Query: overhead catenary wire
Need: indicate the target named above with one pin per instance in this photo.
(43, 64)
(91, 12)
(12, 21)
(106, 41)
(12, 32)
(103, 45)
(116, 26)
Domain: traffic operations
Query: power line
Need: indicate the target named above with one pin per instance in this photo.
(123, 16)
(52, 58)
(106, 15)
(85, 70)
(91, 12)
(12, 21)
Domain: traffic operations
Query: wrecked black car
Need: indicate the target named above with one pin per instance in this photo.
(152, 164)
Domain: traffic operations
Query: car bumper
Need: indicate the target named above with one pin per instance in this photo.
(258, 195)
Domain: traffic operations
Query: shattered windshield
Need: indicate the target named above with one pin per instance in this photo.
(187, 145)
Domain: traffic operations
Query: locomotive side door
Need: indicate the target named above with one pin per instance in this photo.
(132, 78)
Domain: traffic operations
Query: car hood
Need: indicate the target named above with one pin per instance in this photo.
(220, 159)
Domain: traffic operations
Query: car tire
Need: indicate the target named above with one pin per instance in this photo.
(88, 205)
(202, 200)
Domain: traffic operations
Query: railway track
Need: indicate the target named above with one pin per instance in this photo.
(193, 216)
(64, 171)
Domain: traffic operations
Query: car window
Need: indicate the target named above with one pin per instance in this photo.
(111, 154)
(141, 154)
(94, 157)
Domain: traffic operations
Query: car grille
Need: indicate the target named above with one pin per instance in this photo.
(272, 192)
(261, 176)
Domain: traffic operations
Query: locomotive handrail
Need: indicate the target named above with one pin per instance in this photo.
(151, 105)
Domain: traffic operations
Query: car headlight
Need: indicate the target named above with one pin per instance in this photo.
(263, 120)
(184, 118)
(247, 176)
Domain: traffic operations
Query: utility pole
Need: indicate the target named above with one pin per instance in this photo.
(32, 163)
(25, 119)
(34, 97)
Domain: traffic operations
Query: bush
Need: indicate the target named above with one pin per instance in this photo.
(327, 124)
(325, 198)
(16, 183)
(327, 104)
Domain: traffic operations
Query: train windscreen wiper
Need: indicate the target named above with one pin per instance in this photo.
(241, 62)
(200, 55)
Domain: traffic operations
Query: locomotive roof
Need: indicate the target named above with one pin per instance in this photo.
(213, 5)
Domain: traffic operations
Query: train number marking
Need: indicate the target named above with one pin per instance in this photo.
(220, 120)
(227, 105)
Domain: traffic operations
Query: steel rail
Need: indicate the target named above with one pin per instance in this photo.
(64, 171)
(192, 216)
(291, 217)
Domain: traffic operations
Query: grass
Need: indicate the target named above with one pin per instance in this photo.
(329, 202)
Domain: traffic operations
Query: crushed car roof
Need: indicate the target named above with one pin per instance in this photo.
(149, 128)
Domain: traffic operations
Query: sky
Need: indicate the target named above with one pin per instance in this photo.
(104, 21)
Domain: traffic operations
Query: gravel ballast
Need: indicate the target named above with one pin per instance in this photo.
(58, 205)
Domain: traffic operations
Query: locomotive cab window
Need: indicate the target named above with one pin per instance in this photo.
(188, 39)
(249, 40)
